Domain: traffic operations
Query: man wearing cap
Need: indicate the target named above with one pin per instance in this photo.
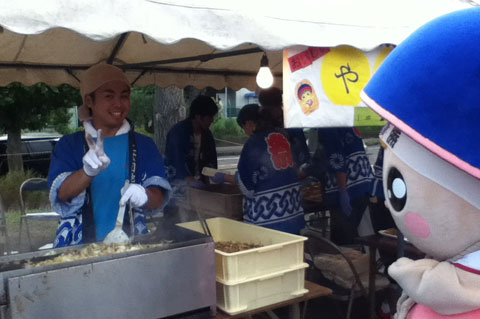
(89, 169)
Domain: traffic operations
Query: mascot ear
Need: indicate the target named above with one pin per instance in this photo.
(428, 87)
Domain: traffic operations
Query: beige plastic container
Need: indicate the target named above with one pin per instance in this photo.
(263, 291)
(280, 252)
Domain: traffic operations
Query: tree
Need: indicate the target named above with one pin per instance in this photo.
(141, 112)
(190, 93)
(169, 109)
(60, 121)
(30, 107)
(170, 106)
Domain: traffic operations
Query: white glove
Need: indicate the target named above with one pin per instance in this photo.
(95, 160)
(136, 194)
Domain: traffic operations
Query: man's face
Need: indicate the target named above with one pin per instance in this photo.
(249, 127)
(204, 121)
(110, 106)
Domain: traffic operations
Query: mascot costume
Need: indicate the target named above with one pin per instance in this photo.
(428, 89)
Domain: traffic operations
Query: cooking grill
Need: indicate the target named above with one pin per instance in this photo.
(175, 277)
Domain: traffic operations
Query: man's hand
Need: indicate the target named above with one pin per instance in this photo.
(135, 193)
(95, 160)
(218, 178)
(304, 170)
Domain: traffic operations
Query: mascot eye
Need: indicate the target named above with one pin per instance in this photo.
(396, 189)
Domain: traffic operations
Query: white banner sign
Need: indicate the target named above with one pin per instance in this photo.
(321, 86)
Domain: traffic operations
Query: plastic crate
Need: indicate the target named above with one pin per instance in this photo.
(280, 251)
(222, 200)
(266, 290)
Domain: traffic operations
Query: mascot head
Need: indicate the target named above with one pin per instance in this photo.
(428, 89)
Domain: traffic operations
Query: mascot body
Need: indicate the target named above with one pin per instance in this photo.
(428, 89)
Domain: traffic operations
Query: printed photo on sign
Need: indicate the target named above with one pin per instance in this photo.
(306, 97)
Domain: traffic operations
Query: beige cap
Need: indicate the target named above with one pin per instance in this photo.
(95, 77)
(98, 75)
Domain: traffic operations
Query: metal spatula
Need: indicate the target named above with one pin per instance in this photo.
(117, 235)
(203, 223)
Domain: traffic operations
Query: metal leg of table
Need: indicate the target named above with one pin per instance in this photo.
(371, 281)
(293, 312)
(272, 314)
(304, 311)
(213, 310)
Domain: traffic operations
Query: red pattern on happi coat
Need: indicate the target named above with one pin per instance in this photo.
(279, 149)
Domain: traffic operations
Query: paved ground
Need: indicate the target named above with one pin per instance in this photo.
(229, 150)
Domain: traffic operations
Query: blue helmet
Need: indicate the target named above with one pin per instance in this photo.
(429, 88)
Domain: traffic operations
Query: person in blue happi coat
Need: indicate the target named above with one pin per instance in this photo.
(379, 214)
(89, 169)
(190, 147)
(266, 174)
(271, 101)
(347, 177)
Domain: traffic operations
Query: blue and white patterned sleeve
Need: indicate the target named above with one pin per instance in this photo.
(64, 208)
(332, 139)
(66, 159)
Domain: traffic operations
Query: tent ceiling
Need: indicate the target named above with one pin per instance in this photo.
(53, 41)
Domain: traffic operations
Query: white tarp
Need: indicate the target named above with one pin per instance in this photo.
(53, 41)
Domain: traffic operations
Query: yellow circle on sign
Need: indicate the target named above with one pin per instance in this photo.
(381, 56)
(345, 71)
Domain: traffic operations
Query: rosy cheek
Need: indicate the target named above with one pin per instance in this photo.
(417, 225)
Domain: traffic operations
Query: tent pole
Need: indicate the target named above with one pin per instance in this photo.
(118, 46)
(203, 58)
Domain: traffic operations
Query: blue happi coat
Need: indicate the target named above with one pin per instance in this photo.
(67, 159)
(377, 187)
(269, 181)
(298, 143)
(180, 156)
(345, 153)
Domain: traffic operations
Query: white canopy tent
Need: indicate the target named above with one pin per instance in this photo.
(185, 42)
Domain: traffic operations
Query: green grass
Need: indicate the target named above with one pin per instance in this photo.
(364, 116)
(141, 130)
(13, 221)
(9, 187)
(41, 232)
(369, 132)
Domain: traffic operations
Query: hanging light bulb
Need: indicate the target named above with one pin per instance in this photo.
(264, 75)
